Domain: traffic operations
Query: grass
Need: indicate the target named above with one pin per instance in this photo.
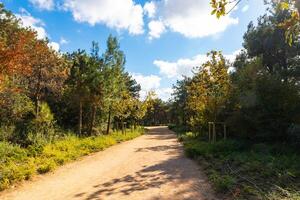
(17, 164)
(241, 170)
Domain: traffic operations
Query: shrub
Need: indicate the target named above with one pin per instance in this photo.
(17, 163)
(222, 183)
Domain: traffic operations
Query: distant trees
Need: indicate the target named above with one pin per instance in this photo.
(157, 111)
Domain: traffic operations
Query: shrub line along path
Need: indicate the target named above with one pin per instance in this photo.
(151, 167)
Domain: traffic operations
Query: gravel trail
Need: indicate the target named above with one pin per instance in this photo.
(150, 167)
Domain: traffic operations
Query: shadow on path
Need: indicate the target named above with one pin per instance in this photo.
(171, 177)
(154, 176)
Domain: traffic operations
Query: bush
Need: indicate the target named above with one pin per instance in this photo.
(222, 183)
(17, 163)
(243, 170)
(36, 129)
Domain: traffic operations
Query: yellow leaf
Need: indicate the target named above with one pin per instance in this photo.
(284, 5)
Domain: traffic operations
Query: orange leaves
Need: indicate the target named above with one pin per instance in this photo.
(15, 54)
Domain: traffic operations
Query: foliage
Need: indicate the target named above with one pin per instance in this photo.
(290, 25)
(259, 98)
(18, 163)
(156, 111)
(242, 170)
(208, 91)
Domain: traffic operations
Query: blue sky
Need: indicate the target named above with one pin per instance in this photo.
(162, 39)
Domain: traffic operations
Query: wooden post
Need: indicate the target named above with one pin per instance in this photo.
(225, 136)
(214, 132)
(209, 131)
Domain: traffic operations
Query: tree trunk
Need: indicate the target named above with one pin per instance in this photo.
(80, 117)
(108, 121)
(93, 117)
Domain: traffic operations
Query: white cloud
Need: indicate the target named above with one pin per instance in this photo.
(63, 41)
(148, 83)
(191, 18)
(184, 66)
(43, 4)
(245, 8)
(156, 28)
(164, 93)
(118, 14)
(54, 46)
(36, 24)
(150, 9)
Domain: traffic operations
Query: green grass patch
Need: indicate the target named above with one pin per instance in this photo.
(241, 170)
(17, 164)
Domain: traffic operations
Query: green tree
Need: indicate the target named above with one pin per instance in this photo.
(114, 61)
(209, 90)
(179, 109)
(78, 81)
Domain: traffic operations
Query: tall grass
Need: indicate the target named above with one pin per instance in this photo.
(242, 170)
(17, 164)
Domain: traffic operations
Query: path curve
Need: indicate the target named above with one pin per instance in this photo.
(151, 167)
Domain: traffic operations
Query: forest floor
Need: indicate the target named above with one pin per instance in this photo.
(151, 167)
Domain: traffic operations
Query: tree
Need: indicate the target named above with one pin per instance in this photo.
(179, 108)
(78, 81)
(114, 61)
(48, 73)
(208, 91)
(96, 83)
(15, 43)
(157, 110)
(267, 40)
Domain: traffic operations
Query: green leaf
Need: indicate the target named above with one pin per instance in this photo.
(213, 12)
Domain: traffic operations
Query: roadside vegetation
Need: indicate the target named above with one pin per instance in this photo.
(240, 169)
(17, 163)
(56, 107)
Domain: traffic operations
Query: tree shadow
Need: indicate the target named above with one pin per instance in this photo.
(161, 134)
(159, 148)
(175, 170)
(178, 175)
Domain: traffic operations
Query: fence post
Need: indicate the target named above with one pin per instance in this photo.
(209, 131)
(214, 132)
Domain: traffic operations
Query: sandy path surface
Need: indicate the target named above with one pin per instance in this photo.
(151, 167)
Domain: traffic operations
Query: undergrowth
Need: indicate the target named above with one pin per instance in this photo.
(17, 164)
(242, 170)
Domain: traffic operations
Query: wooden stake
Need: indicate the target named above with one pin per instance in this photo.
(214, 132)
(209, 131)
(225, 136)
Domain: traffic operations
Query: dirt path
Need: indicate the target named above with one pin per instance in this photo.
(151, 167)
